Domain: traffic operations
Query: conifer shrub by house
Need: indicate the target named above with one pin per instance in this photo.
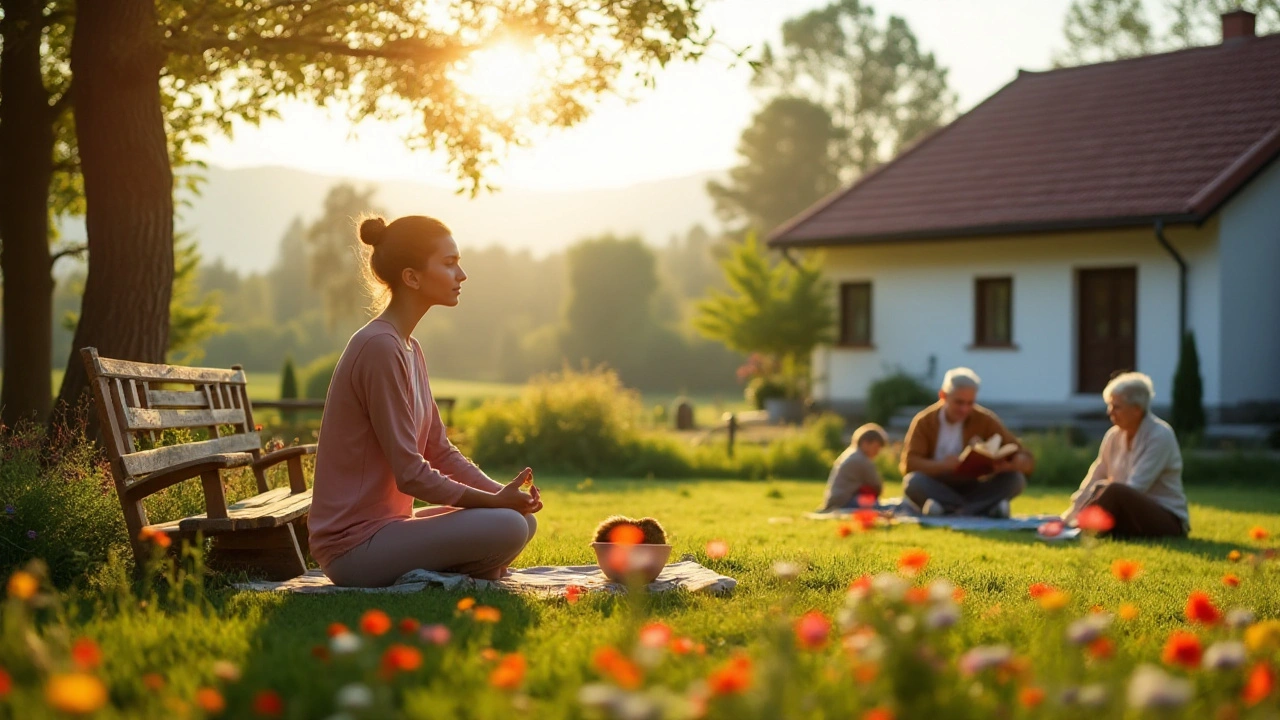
(1188, 418)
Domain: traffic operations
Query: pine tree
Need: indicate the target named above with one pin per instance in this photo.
(1188, 391)
(288, 387)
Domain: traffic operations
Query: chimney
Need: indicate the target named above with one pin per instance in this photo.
(1237, 25)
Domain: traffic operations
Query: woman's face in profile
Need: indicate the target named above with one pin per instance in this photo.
(441, 282)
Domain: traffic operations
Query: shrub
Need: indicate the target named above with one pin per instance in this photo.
(898, 390)
(1188, 392)
(319, 373)
(764, 388)
(289, 389)
(829, 430)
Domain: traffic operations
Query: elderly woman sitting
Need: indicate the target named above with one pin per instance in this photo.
(1137, 477)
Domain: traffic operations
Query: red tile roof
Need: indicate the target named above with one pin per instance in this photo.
(1168, 136)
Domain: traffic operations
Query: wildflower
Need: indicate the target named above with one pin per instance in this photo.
(812, 630)
(31, 534)
(1258, 533)
(984, 657)
(1263, 638)
(600, 696)
(488, 654)
(861, 587)
(913, 561)
(85, 654)
(865, 519)
(336, 629)
(75, 693)
(957, 595)
(1039, 590)
(732, 678)
(1150, 688)
(1259, 685)
(152, 681)
(1231, 580)
(681, 645)
(1051, 529)
(917, 595)
(1101, 649)
(1054, 600)
(345, 644)
(1092, 696)
(6, 684)
(941, 590)
(1095, 519)
(10, 510)
(1182, 648)
(23, 585)
(1030, 697)
(890, 586)
(1226, 655)
(717, 549)
(655, 635)
(1200, 609)
(608, 661)
(210, 701)
(866, 673)
(1088, 628)
(1240, 618)
(786, 570)
(1128, 611)
(375, 622)
(401, 658)
(355, 696)
(572, 593)
(435, 634)
(466, 604)
(226, 671)
(509, 672)
(268, 703)
(1233, 556)
(844, 530)
(409, 626)
(626, 534)
(879, 712)
(1126, 570)
(486, 614)
(942, 616)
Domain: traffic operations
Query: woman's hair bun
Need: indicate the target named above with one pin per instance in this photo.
(373, 230)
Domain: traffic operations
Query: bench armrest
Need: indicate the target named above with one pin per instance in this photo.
(293, 455)
(161, 479)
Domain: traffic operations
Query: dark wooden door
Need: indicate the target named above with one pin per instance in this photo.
(1107, 316)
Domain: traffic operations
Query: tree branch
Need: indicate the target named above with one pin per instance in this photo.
(407, 49)
(73, 250)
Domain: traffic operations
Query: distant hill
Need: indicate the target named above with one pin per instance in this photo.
(242, 213)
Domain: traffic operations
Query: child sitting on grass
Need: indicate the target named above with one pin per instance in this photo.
(854, 479)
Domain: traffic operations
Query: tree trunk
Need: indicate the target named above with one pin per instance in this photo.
(116, 60)
(26, 168)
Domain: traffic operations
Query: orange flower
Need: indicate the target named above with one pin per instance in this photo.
(1030, 697)
(466, 604)
(1200, 609)
(75, 693)
(1128, 611)
(268, 703)
(957, 595)
(1126, 570)
(23, 585)
(409, 626)
(732, 678)
(336, 629)
(153, 682)
(509, 672)
(717, 549)
(1182, 648)
(844, 530)
(85, 653)
(626, 534)
(1258, 533)
(812, 630)
(865, 519)
(1231, 580)
(1234, 556)
(210, 701)
(861, 585)
(655, 635)
(1261, 682)
(913, 561)
(375, 622)
(401, 658)
(486, 614)
(1095, 519)
(488, 654)
(1054, 600)
(1039, 590)
(1101, 649)
(866, 673)
(608, 661)
(681, 645)
(878, 713)
(572, 593)
(917, 595)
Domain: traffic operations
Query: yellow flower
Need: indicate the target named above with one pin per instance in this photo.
(1128, 611)
(1054, 600)
(466, 604)
(23, 585)
(76, 693)
(1263, 637)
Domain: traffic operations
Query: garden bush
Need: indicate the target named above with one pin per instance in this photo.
(894, 391)
(318, 374)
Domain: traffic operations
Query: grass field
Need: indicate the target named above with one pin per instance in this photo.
(271, 637)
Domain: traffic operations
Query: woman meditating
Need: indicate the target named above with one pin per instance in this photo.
(382, 443)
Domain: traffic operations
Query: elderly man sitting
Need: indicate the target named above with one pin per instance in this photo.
(1137, 477)
(932, 450)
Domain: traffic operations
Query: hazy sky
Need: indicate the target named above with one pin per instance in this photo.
(689, 123)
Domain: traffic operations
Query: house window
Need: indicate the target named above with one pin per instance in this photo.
(993, 323)
(855, 314)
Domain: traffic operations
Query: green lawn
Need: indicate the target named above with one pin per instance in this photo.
(271, 637)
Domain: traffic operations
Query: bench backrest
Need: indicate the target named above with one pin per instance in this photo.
(138, 401)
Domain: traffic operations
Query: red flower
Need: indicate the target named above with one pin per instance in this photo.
(732, 678)
(509, 672)
(1030, 697)
(1101, 649)
(1258, 533)
(6, 683)
(867, 497)
(913, 561)
(1182, 648)
(268, 704)
(878, 713)
(1231, 580)
(336, 629)
(1125, 570)
(1261, 682)
(812, 630)
(375, 622)
(844, 530)
(409, 626)
(655, 635)
(865, 519)
(609, 661)
(681, 645)
(862, 584)
(401, 658)
(917, 595)
(1200, 609)
(1039, 590)
(85, 654)
(1095, 519)
(572, 593)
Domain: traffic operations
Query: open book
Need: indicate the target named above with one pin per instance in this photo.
(978, 460)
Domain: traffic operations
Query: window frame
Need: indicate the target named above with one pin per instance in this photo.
(981, 333)
(844, 341)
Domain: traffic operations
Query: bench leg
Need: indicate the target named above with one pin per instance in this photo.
(270, 553)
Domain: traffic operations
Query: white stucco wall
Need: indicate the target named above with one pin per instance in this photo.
(923, 305)
(1250, 312)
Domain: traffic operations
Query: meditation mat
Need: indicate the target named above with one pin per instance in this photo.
(895, 508)
(542, 581)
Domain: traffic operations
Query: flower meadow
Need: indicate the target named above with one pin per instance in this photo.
(905, 641)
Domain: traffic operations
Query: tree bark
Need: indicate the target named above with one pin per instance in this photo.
(116, 60)
(26, 168)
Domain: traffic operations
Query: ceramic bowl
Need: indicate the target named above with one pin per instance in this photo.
(618, 561)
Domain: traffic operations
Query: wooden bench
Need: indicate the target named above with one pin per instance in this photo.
(264, 534)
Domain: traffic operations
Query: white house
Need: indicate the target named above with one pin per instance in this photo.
(1065, 229)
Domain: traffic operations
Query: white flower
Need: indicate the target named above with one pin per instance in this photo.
(1227, 655)
(985, 657)
(355, 696)
(1150, 687)
(906, 624)
(344, 643)
(941, 591)
(1092, 696)
(892, 587)
(786, 570)
(635, 706)
(866, 647)
(1240, 618)
(1088, 628)
(942, 616)
(599, 695)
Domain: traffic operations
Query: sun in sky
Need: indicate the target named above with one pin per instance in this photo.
(503, 76)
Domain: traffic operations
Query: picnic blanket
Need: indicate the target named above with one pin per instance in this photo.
(543, 581)
(905, 513)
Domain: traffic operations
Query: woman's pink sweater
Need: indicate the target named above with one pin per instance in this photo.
(382, 444)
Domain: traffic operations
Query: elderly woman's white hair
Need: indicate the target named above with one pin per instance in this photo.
(1134, 388)
(959, 379)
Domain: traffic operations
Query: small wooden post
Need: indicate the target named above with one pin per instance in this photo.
(733, 431)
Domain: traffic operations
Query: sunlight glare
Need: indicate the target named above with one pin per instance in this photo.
(502, 77)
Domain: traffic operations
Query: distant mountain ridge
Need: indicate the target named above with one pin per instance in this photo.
(241, 214)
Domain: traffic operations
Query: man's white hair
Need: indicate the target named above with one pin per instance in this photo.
(959, 379)
(1134, 388)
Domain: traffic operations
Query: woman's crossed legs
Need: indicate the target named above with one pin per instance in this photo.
(479, 542)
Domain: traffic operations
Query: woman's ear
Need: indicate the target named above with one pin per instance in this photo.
(410, 278)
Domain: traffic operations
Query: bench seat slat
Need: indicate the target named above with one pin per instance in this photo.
(149, 461)
(151, 372)
(151, 419)
(269, 509)
(176, 399)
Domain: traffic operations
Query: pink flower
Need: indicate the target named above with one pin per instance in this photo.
(655, 635)
(812, 630)
(435, 634)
